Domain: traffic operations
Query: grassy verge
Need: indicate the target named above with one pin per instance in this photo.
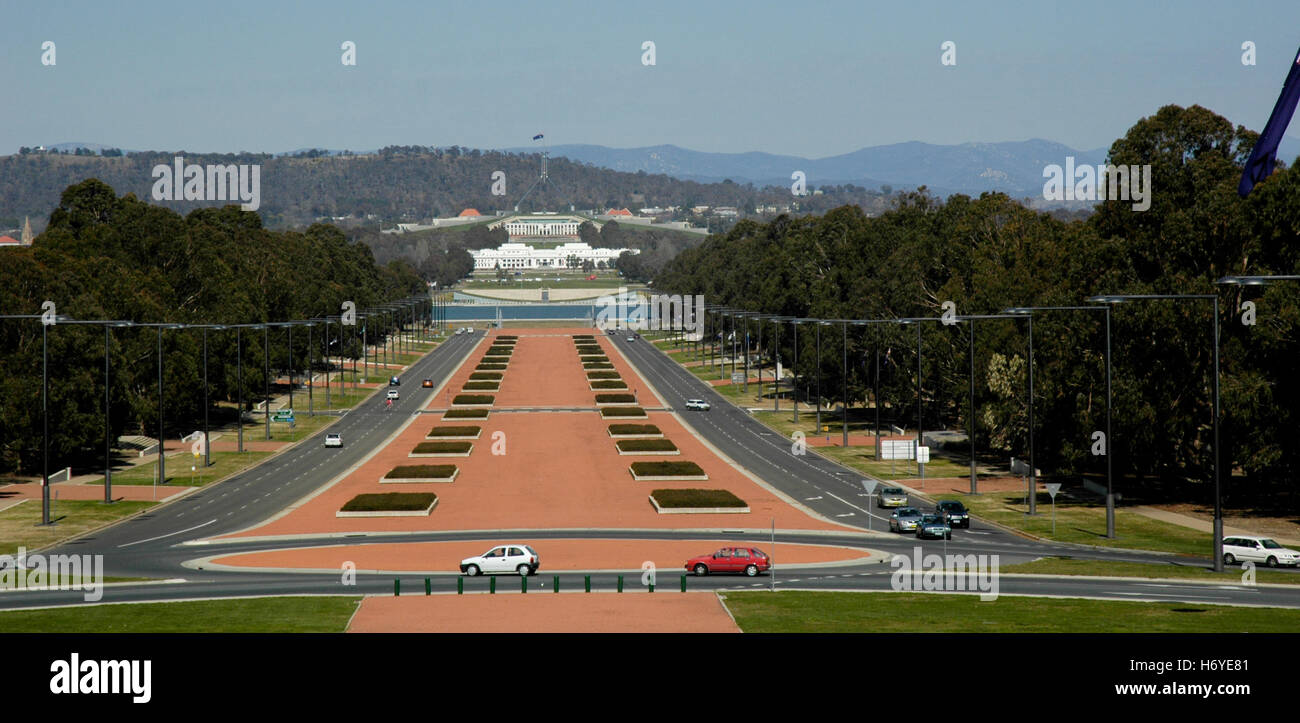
(1085, 523)
(20, 525)
(252, 615)
(792, 611)
(224, 464)
(1061, 566)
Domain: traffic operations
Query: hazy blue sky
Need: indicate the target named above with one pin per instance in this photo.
(805, 78)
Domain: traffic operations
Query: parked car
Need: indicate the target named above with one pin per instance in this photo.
(1258, 549)
(392, 394)
(427, 384)
(933, 526)
(892, 497)
(394, 382)
(748, 560)
(333, 439)
(954, 513)
(904, 520)
(514, 557)
(631, 338)
(697, 404)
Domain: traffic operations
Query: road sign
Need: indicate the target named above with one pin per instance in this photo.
(1019, 467)
(737, 377)
(870, 485)
(283, 417)
(923, 455)
(1053, 488)
(896, 449)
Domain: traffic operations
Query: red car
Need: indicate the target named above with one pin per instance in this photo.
(749, 560)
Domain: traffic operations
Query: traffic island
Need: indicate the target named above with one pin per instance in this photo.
(635, 431)
(623, 412)
(390, 504)
(697, 502)
(449, 432)
(421, 473)
(667, 471)
(442, 449)
(465, 414)
(646, 446)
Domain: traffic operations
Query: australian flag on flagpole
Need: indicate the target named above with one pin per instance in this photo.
(538, 137)
(1264, 155)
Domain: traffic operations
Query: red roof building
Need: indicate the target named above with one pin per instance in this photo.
(9, 241)
(469, 212)
(618, 212)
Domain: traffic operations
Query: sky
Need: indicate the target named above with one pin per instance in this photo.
(805, 78)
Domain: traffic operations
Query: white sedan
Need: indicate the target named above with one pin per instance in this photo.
(333, 440)
(1258, 549)
(503, 558)
(697, 404)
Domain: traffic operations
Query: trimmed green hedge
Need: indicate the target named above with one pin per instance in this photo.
(421, 471)
(390, 502)
(446, 447)
(597, 365)
(697, 498)
(583, 336)
(491, 366)
(603, 375)
(448, 431)
(622, 412)
(608, 385)
(485, 375)
(634, 429)
(512, 337)
(465, 414)
(473, 399)
(615, 399)
(645, 445)
(684, 469)
(481, 386)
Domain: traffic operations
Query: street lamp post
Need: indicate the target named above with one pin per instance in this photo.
(1214, 298)
(45, 409)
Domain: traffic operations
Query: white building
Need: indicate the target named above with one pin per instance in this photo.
(524, 256)
(541, 226)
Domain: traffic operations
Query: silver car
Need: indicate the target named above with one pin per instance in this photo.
(905, 520)
(893, 497)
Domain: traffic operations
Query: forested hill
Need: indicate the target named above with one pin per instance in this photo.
(397, 184)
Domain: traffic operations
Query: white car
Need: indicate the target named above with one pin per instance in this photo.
(631, 338)
(514, 557)
(333, 440)
(1258, 549)
(697, 404)
(392, 394)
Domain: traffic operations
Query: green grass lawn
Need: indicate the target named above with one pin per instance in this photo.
(20, 525)
(1085, 523)
(792, 611)
(325, 614)
(1062, 566)
(224, 464)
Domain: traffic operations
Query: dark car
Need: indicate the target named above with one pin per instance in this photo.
(394, 382)
(933, 526)
(954, 513)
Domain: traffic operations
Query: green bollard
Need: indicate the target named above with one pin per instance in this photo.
(556, 583)
(587, 582)
(460, 585)
(397, 587)
(683, 583)
(652, 587)
(523, 583)
(620, 583)
(492, 585)
(428, 586)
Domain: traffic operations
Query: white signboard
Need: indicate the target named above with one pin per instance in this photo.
(896, 449)
(737, 377)
(923, 455)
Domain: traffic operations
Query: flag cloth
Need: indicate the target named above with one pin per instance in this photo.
(1264, 154)
(538, 137)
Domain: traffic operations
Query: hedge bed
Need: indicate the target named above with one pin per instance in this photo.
(421, 473)
(615, 399)
(511, 337)
(481, 386)
(503, 349)
(623, 412)
(667, 471)
(646, 446)
(629, 431)
(485, 375)
(491, 366)
(593, 358)
(603, 375)
(390, 504)
(607, 384)
(583, 336)
(597, 365)
(465, 414)
(453, 432)
(442, 449)
(473, 400)
(697, 501)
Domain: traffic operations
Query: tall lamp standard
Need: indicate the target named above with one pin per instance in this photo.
(1110, 479)
(46, 323)
(820, 324)
(207, 453)
(1218, 506)
(162, 439)
(794, 385)
(108, 429)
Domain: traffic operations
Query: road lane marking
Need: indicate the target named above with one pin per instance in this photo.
(169, 534)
